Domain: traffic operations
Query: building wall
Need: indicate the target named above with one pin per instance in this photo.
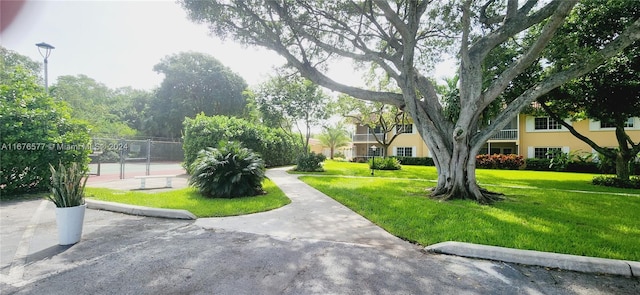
(412, 140)
(530, 138)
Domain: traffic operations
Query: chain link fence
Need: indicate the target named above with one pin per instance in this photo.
(132, 152)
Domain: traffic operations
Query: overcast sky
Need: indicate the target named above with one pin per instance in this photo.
(118, 42)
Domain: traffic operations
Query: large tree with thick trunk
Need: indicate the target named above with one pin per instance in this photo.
(405, 39)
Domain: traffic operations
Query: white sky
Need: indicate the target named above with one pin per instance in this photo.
(118, 42)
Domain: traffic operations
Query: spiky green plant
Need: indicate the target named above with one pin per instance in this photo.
(67, 185)
(229, 171)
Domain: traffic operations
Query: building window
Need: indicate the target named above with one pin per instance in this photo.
(405, 128)
(545, 153)
(546, 123)
(610, 124)
(404, 151)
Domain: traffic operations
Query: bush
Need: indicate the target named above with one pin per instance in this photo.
(36, 131)
(499, 161)
(582, 167)
(384, 164)
(276, 147)
(633, 182)
(423, 161)
(536, 164)
(310, 162)
(229, 171)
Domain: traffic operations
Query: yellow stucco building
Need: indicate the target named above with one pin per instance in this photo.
(528, 136)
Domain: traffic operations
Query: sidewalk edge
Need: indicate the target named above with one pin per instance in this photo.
(140, 210)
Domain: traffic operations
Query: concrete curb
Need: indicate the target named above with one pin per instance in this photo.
(140, 210)
(537, 258)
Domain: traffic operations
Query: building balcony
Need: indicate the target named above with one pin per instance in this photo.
(506, 134)
(366, 137)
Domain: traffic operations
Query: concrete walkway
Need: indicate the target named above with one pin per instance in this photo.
(311, 215)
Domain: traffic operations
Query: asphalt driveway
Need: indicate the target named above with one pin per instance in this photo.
(312, 246)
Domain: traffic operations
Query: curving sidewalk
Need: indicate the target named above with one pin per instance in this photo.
(310, 215)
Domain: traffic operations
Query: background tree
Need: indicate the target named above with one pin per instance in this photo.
(334, 136)
(10, 59)
(611, 93)
(194, 83)
(286, 100)
(95, 103)
(388, 119)
(405, 39)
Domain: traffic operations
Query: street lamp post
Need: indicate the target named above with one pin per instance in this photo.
(47, 51)
(373, 160)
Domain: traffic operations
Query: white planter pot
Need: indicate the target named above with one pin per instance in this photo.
(69, 221)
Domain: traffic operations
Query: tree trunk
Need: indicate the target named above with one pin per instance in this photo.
(457, 177)
(331, 153)
(622, 167)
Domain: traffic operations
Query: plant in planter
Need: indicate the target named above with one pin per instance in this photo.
(67, 193)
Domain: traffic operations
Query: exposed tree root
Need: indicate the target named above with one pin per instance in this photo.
(485, 197)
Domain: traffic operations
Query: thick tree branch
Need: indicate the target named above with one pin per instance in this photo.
(484, 45)
(625, 39)
(577, 134)
(502, 82)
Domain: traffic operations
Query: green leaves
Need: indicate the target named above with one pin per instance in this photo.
(194, 83)
(229, 171)
(67, 185)
(276, 147)
(29, 118)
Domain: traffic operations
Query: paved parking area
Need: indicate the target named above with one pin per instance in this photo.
(124, 254)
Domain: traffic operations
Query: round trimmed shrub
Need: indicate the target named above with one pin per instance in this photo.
(229, 171)
(384, 164)
(310, 162)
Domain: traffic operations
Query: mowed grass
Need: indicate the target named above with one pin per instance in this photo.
(190, 199)
(542, 211)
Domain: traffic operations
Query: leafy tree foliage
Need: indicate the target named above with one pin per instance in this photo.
(610, 93)
(334, 136)
(404, 39)
(229, 171)
(286, 99)
(194, 83)
(97, 104)
(388, 119)
(276, 147)
(11, 59)
(36, 131)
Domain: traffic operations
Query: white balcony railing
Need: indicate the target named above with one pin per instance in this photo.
(366, 137)
(506, 134)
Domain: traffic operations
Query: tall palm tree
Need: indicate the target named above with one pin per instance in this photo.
(334, 137)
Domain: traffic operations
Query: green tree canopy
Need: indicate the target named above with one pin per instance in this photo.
(285, 100)
(609, 94)
(193, 83)
(95, 103)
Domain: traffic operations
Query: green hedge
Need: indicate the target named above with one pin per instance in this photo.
(276, 147)
(422, 161)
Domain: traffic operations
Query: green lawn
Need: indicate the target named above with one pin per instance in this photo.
(542, 210)
(189, 199)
